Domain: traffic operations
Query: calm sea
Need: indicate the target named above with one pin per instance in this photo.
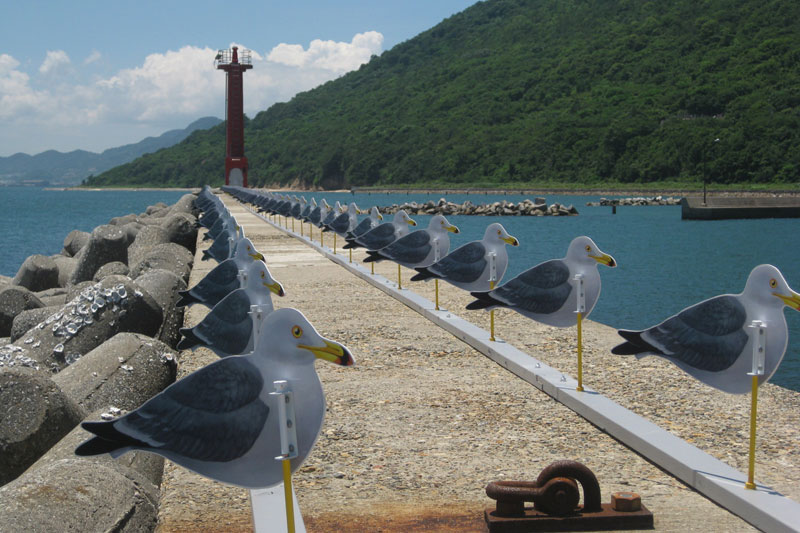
(665, 263)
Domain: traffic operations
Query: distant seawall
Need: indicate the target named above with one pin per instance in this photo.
(715, 208)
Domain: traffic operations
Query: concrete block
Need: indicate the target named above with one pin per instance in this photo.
(75, 495)
(125, 219)
(54, 296)
(74, 242)
(114, 268)
(181, 229)
(36, 414)
(137, 466)
(170, 256)
(29, 319)
(106, 243)
(114, 305)
(123, 372)
(66, 267)
(14, 300)
(146, 239)
(37, 273)
(163, 286)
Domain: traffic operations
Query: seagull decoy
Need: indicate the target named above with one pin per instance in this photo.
(228, 328)
(712, 340)
(384, 234)
(223, 279)
(473, 266)
(548, 292)
(418, 248)
(367, 224)
(221, 421)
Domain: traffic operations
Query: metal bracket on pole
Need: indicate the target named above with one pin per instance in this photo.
(581, 294)
(242, 278)
(257, 314)
(436, 252)
(492, 266)
(759, 332)
(286, 420)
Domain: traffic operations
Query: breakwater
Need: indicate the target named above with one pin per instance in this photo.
(638, 200)
(537, 207)
(88, 334)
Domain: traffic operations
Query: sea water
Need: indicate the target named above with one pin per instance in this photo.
(664, 263)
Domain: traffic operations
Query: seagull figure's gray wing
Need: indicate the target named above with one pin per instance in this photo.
(226, 328)
(542, 289)
(364, 226)
(708, 336)
(464, 265)
(221, 281)
(214, 414)
(377, 237)
(408, 250)
(340, 223)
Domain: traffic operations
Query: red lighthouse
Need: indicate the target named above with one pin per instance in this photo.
(235, 161)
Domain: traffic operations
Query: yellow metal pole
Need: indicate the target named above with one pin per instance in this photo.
(491, 316)
(351, 255)
(287, 494)
(372, 267)
(752, 461)
(399, 285)
(334, 244)
(321, 237)
(580, 353)
(436, 285)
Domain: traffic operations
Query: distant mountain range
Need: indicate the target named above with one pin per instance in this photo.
(71, 168)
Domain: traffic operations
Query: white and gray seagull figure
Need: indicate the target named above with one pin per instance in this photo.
(469, 266)
(228, 328)
(221, 420)
(711, 341)
(418, 248)
(548, 291)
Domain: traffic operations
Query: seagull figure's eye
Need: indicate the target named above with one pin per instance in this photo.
(773, 283)
(263, 275)
(297, 331)
(499, 232)
(588, 248)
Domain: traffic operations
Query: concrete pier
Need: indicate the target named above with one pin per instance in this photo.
(719, 208)
(418, 428)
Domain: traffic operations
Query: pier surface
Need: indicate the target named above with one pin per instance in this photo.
(719, 208)
(417, 429)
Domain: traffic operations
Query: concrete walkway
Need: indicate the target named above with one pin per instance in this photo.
(420, 426)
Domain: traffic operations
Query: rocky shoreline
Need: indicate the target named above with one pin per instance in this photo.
(87, 334)
(537, 207)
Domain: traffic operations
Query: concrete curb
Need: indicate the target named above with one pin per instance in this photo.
(764, 507)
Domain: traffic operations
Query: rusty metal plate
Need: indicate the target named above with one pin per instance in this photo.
(606, 520)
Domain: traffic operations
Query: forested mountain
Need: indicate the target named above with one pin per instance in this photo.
(59, 168)
(536, 92)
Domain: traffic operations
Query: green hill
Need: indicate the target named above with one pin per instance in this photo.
(536, 92)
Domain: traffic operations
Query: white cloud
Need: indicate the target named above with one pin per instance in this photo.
(168, 90)
(329, 55)
(54, 60)
(93, 57)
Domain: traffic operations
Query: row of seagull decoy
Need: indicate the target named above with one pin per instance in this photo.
(215, 421)
(222, 421)
(713, 340)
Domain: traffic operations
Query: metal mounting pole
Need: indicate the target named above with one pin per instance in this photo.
(581, 308)
(759, 332)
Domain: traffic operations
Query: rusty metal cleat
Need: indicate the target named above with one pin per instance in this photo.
(555, 497)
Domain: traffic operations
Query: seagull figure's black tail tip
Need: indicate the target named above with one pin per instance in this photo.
(423, 274)
(186, 299)
(372, 256)
(634, 345)
(484, 300)
(188, 341)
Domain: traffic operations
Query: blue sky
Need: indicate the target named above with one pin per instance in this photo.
(93, 75)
